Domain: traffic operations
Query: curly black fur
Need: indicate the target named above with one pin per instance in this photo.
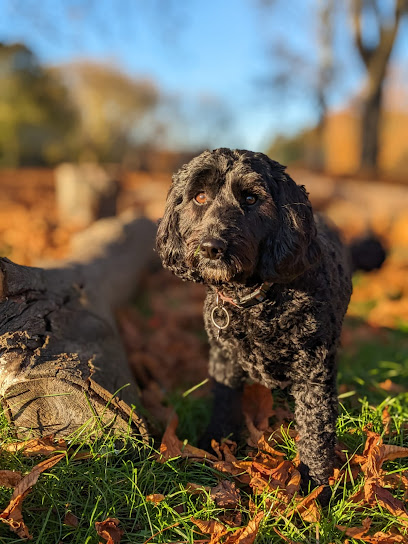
(288, 340)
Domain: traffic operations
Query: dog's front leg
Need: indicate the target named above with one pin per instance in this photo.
(316, 414)
(228, 378)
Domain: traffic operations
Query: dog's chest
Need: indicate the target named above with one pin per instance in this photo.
(263, 340)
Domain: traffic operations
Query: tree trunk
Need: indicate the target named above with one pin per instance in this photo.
(370, 130)
(61, 358)
(85, 192)
(375, 57)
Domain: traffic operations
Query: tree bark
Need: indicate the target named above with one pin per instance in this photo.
(85, 193)
(375, 58)
(61, 358)
(370, 130)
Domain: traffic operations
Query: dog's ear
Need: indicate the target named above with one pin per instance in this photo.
(168, 239)
(293, 248)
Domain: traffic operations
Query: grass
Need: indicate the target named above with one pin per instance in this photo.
(121, 472)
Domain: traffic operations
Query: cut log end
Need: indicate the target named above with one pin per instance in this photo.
(62, 359)
(59, 407)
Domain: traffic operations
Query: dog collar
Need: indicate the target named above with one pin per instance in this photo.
(220, 316)
(252, 299)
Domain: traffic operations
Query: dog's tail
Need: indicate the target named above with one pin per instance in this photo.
(367, 253)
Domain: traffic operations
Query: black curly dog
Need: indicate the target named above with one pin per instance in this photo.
(279, 282)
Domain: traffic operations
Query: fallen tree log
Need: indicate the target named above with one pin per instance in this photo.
(61, 357)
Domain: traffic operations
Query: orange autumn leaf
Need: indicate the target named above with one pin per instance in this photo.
(211, 527)
(257, 405)
(377, 453)
(232, 518)
(391, 387)
(397, 480)
(386, 420)
(293, 485)
(375, 494)
(379, 537)
(197, 489)
(264, 445)
(37, 446)
(356, 532)
(109, 530)
(347, 474)
(231, 468)
(171, 446)
(31, 478)
(191, 452)
(280, 474)
(391, 452)
(307, 507)
(385, 538)
(155, 498)
(246, 535)
(225, 494)
(12, 515)
(9, 478)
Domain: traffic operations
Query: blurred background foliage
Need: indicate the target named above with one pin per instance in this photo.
(317, 82)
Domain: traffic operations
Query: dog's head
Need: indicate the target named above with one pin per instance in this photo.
(234, 216)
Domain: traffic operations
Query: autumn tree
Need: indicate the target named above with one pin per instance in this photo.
(111, 106)
(36, 115)
(375, 52)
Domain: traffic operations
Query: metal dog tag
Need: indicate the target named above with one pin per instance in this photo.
(223, 314)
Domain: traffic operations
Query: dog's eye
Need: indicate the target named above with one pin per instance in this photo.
(201, 198)
(250, 200)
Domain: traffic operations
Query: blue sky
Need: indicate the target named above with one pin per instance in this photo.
(199, 51)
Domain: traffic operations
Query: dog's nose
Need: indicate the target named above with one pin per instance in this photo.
(212, 248)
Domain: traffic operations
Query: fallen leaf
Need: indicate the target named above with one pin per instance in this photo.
(197, 489)
(346, 474)
(12, 515)
(391, 387)
(37, 446)
(236, 471)
(386, 420)
(246, 535)
(109, 530)
(293, 485)
(225, 494)
(378, 538)
(386, 538)
(375, 494)
(356, 532)
(257, 405)
(377, 453)
(398, 480)
(31, 478)
(211, 527)
(155, 498)
(71, 520)
(264, 445)
(81, 455)
(391, 452)
(171, 446)
(9, 478)
(307, 508)
(232, 518)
